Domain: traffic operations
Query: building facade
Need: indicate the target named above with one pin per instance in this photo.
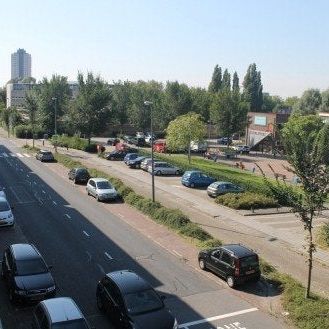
(16, 94)
(20, 64)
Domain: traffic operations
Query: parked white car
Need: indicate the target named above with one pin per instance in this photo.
(6, 215)
(198, 146)
(101, 189)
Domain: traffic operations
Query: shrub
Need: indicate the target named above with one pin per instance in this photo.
(132, 198)
(25, 131)
(91, 148)
(194, 231)
(173, 218)
(322, 236)
(247, 200)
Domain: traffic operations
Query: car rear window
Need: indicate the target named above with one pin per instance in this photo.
(104, 185)
(249, 261)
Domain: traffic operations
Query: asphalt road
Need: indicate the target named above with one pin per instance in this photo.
(83, 239)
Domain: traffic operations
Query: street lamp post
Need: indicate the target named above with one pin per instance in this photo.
(55, 100)
(149, 104)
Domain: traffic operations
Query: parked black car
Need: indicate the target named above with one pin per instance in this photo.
(128, 139)
(79, 175)
(138, 141)
(116, 155)
(233, 262)
(131, 302)
(224, 140)
(135, 163)
(113, 141)
(26, 274)
(130, 156)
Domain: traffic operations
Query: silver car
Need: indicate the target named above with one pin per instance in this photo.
(101, 189)
(145, 163)
(164, 168)
(6, 215)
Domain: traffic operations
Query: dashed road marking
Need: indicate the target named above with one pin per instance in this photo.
(55, 203)
(108, 255)
(177, 253)
(218, 317)
(89, 256)
(27, 155)
(44, 192)
(101, 268)
(68, 216)
(86, 234)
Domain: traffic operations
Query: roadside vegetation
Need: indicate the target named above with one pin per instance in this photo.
(311, 313)
(322, 236)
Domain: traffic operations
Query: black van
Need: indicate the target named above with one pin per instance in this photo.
(233, 262)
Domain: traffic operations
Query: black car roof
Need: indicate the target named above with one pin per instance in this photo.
(23, 251)
(238, 250)
(128, 281)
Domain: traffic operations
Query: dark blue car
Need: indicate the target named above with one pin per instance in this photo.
(130, 156)
(196, 179)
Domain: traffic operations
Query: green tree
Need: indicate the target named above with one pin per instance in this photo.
(253, 88)
(305, 141)
(31, 106)
(216, 80)
(324, 107)
(235, 83)
(201, 102)
(90, 111)
(229, 112)
(10, 118)
(290, 101)
(226, 82)
(271, 103)
(3, 95)
(309, 103)
(184, 129)
(53, 93)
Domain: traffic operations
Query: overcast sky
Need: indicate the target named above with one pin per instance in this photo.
(171, 40)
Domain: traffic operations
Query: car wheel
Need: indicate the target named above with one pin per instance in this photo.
(112, 158)
(177, 172)
(158, 173)
(192, 185)
(202, 264)
(99, 302)
(88, 192)
(230, 281)
(97, 198)
(138, 166)
(75, 181)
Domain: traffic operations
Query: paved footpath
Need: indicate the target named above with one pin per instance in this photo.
(283, 248)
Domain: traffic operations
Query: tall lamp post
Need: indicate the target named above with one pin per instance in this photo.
(149, 104)
(55, 100)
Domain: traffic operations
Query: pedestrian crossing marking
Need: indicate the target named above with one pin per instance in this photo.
(14, 155)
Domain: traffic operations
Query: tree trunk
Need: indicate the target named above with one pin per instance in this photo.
(310, 260)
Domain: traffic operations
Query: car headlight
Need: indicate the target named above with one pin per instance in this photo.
(175, 326)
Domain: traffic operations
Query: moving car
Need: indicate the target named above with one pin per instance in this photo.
(195, 178)
(164, 168)
(26, 274)
(101, 189)
(130, 156)
(233, 262)
(61, 312)
(131, 302)
(116, 155)
(44, 155)
(135, 163)
(219, 188)
(6, 215)
(79, 175)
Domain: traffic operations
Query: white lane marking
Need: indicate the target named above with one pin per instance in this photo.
(120, 215)
(5, 154)
(101, 268)
(27, 175)
(21, 169)
(108, 256)
(86, 234)
(40, 201)
(44, 192)
(27, 155)
(68, 217)
(20, 155)
(55, 203)
(177, 253)
(34, 182)
(13, 155)
(89, 256)
(218, 317)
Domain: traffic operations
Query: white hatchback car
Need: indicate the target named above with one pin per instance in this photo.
(101, 189)
(6, 215)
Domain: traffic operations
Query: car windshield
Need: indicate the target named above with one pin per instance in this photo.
(46, 153)
(31, 266)
(142, 302)
(104, 185)
(4, 206)
(74, 324)
(82, 171)
(249, 261)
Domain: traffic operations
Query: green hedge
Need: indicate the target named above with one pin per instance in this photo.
(25, 131)
(246, 200)
(74, 142)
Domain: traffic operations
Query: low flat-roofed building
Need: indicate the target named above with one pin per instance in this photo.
(16, 94)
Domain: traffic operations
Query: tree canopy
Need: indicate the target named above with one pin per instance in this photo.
(253, 88)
